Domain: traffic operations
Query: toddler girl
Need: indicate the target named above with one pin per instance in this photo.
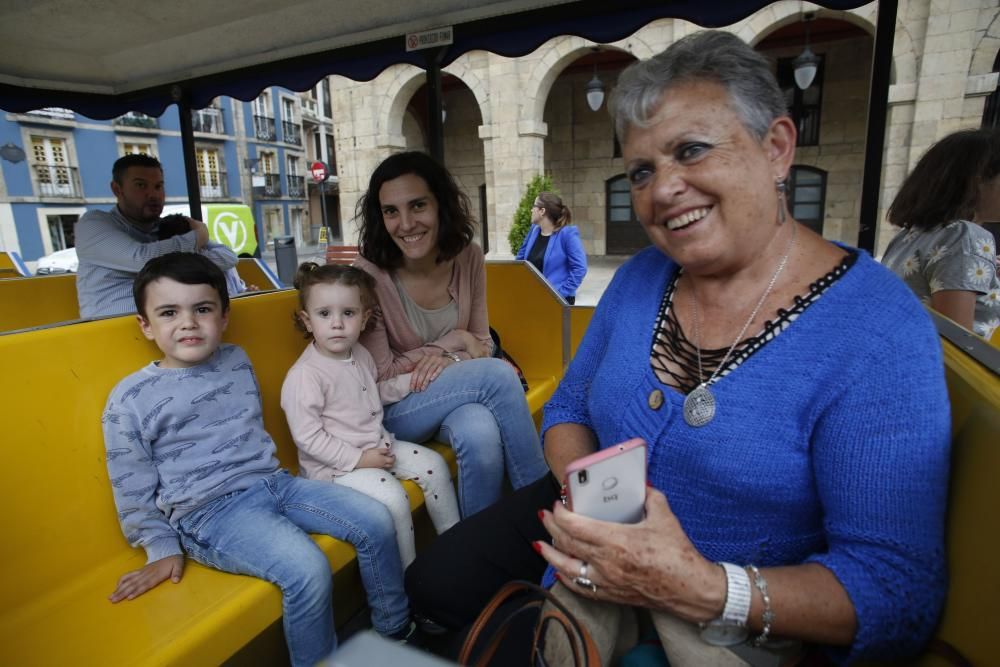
(334, 405)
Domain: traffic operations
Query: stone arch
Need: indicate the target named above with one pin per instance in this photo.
(463, 69)
(407, 79)
(559, 54)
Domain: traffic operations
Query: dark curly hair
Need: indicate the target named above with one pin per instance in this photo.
(944, 186)
(456, 226)
(311, 273)
(188, 268)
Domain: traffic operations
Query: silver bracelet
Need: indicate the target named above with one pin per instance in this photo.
(451, 355)
(767, 618)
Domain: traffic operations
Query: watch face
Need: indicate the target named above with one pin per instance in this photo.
(720, 633)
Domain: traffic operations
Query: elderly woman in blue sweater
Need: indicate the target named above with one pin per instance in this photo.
(790, 390)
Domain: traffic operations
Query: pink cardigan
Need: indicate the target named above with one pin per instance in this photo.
(390, 338)
(334, 410)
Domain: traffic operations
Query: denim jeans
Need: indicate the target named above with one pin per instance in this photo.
(261, 531)
(478, 407)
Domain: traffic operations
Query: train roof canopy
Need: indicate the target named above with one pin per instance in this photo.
(103, 58)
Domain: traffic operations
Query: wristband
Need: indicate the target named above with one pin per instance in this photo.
(451, 355)
(731, 628)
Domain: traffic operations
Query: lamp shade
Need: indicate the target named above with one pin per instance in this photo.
(595, 93)
(806, 65)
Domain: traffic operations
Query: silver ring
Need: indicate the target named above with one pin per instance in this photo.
(583, 570)
(582, 580)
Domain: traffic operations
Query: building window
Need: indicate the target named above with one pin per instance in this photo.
(327, 102)
(272, 179)
(61, 231)
(803, 105)
(54, 176)
(289, 122)
(274, 225)
(209, 119)
(263, 118)
(331, 154)
(620, 200)
(211, 173)
(807, 196)
(138, 148)
(296, 181)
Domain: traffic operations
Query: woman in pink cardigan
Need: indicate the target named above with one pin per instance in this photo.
(416, 241)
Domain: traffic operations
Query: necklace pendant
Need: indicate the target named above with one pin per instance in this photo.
(699, 406)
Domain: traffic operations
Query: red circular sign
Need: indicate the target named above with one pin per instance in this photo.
(320, 172)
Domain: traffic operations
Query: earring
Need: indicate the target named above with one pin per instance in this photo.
(782, 187)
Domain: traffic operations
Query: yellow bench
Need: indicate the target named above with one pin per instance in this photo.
(971, 617)
(11, 266)
(63, 549)
(37, 301)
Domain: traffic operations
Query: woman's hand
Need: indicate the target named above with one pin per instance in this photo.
(427, 370)
(377, 457)
(650, 564)
(473, 346)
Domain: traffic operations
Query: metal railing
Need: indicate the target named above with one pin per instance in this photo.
(291, 132)
(263, 128)
(297, 186)
(54, 112)
(272, 185)
(133, 119)
(213, 184)
(57, 180)
(208, 120)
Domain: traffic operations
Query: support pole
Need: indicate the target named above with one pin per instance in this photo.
(878, 107)
(435, 126)
(187, 148)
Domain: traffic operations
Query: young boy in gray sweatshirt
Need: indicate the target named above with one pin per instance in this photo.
(193, 471)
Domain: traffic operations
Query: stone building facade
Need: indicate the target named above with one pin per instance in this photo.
(508, 119)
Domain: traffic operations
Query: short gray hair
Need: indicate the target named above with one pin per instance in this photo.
(710, 55)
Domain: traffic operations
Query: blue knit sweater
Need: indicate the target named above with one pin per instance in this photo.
(830, 444)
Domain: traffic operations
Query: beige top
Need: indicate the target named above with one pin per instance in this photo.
(428, 324)
(334, 410)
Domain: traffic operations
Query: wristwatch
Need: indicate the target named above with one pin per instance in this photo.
(731, 628)
(451, 355)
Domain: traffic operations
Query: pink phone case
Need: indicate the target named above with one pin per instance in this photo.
(610, 484)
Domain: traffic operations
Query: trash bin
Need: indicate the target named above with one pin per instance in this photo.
(286, 258)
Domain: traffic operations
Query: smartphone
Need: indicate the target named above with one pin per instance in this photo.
(610, 485)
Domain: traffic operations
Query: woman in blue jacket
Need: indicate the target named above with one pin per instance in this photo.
(553, 245)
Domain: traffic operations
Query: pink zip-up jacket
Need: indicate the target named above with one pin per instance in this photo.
(393, 342)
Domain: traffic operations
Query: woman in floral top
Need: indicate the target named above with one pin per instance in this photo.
(941, 253)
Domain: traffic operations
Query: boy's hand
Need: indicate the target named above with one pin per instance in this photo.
(135, 583)
(378, 457)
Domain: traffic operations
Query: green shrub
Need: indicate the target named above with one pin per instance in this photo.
(522, 217)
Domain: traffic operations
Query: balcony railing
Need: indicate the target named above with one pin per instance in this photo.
(54, 112)
(291, 132)
(208, 120)
(272, 186)
(132, 119)
(56, 180)
(263, 128)
(213, 184)
(297, 186)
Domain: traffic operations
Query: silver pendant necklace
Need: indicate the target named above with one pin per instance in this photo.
(699, 405)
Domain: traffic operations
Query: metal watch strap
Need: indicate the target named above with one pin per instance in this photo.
(738, 595)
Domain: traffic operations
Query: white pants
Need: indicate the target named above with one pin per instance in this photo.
(425, 467)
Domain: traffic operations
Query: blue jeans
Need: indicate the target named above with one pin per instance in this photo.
(261, 531)
(478, 407)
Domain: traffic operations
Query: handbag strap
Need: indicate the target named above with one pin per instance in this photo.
(575, 631)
